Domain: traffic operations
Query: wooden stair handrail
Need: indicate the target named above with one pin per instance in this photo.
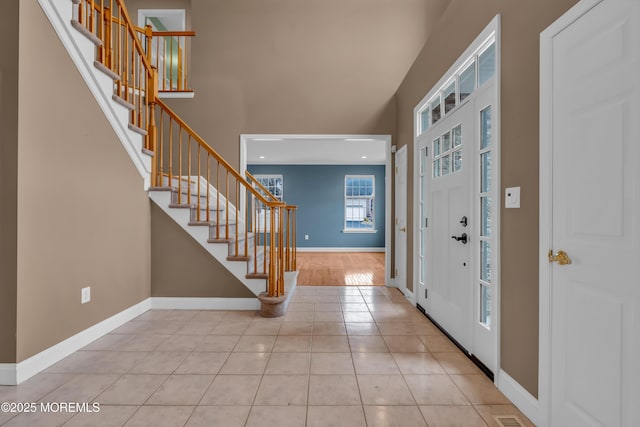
(165, 108)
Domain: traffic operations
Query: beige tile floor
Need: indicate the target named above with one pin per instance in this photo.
(341, 356)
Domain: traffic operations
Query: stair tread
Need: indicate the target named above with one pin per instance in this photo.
(88, 34)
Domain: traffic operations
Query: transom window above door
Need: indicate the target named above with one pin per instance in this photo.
(478, 69)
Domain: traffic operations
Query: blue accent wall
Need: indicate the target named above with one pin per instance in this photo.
(318, 192)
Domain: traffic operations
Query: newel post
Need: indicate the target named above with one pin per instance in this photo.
(148, 37)
(152, 132)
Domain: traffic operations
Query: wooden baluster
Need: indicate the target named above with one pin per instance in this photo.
(80, 13)
(170, 63)
(161, 146)
(208, 181)
(125, 57)
(198, 181)
(281, 249)
(90, 11)
(152, 135)
(226, 197)
(218, 200)
(119, 86)
(246, 225)
(294, 267)
(179, 167)
(180, 61)
(188, 168)
(170, 184)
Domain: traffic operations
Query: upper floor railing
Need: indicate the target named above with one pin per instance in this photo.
(167, 51)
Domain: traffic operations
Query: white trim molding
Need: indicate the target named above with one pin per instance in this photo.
(183, 303)
(545, 203)
(16, 373)
(520, 397)
(8, 374)
(367, 249)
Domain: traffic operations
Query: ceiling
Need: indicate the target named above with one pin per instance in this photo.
(316, 149)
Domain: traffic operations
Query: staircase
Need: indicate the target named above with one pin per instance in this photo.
(241, 224)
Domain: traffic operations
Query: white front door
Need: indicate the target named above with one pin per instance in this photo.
(401, 219)
(590, 199)
(449, 233)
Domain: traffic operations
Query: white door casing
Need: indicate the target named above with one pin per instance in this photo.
(590, 208)
(479, 340)
(400, 221)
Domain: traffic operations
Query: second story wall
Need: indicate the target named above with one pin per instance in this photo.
(292, 67)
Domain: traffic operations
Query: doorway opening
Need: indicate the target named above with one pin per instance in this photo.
(341, 186)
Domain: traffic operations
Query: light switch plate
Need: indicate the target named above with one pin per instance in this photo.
(85, 295)
(512, 197)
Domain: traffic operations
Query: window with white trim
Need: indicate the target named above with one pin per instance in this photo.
(359, 201)
(275, 185)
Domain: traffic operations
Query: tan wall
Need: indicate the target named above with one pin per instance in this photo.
(286, 66)
(8, 178)
(180, 267)
(522, 23)
(83, 215)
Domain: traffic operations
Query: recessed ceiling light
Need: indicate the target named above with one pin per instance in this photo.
(363, 157)
(262, 157)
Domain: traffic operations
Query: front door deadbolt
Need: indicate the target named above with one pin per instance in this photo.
(462, 238)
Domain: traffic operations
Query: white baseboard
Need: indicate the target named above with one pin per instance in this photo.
(180, 303)
(299, 249)
(8, 374)
(16, 373)
(520, 397)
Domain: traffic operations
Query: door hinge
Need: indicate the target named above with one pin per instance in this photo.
(426, 151)
(426, 292)
(396, 169)
(395, 273)
(426, 222)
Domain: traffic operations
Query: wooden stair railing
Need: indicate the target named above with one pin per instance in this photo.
(290, 223)
(181, 157)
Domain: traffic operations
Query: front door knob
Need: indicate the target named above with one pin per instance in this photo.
(462, 238)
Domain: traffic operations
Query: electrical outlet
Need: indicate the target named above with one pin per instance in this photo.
(85, 295)
(306, 237)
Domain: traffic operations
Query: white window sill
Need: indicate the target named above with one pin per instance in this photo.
(358, 231)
